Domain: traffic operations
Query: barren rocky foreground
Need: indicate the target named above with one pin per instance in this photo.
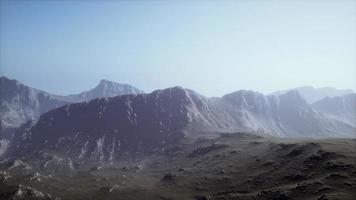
(231, 166)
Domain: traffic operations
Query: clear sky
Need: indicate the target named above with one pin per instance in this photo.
(213, 47)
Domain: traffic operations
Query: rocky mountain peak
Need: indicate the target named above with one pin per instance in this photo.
(107, 83)
(105, 88)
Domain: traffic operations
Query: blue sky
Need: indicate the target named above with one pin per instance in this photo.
(213, 47)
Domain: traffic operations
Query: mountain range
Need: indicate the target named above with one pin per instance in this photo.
(125, 119)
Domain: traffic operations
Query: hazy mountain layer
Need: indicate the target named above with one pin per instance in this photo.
(311, 94)
(286, 115)
(342, 108)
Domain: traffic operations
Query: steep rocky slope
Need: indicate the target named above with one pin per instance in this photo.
(20, 103)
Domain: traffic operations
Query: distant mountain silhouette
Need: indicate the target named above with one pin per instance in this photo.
(105, 88)
(311, 94)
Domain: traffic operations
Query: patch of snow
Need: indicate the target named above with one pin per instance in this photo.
(70, 164)
(112, 150)
(84, 150)
(99, 148)
(4, 145)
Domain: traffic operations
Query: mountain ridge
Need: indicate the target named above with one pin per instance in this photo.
(20, 102)
(105, 129)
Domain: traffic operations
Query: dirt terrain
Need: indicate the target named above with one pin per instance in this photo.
(232, 166)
